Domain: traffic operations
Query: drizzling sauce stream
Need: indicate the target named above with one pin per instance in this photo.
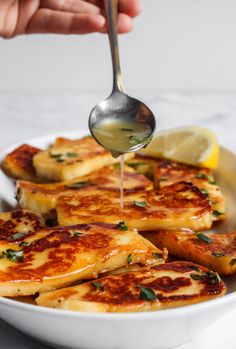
(120, 137)
(122, 161)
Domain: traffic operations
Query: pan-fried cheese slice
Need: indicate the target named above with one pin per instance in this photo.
(42, 197)
(215, 251)
(69, 159)
(56, 257)
(167, 172)
(174, 206)
(164, 286)
(19, 163)
(15, 225)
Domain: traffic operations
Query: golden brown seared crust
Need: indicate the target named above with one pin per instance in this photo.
(56, 257)
(19, 163)
(17, 224)
(167, 172)
(172, 285)
(68, 159)
(62, 140)
(42, 197)
(215, 251)
(174, 206)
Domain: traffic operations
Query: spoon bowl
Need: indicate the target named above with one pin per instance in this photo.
(120, 123)
(121, 111)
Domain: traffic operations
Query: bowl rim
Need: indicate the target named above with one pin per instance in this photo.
(162, 313)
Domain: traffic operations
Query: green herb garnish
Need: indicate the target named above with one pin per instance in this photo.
(60, 160)
(77, 233)
(17, 236)
(56, 156)
(196, 276)
(147, 293)
(135, 165)
(218, 254)
(213, 182)
(24, 244)
(140, 203)
(157, 255)
(13, 255)
(204, 238)
(98, 285)
(129, 259)
(162, 179)
(77, 185)
(126, 129)
(204, 192)
(233, 261)
(201, 176)
(133, 140)
(216, 213)
(121, 225)
(71, 155)
(214, 277)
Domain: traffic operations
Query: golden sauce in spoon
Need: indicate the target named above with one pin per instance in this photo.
(121, 136)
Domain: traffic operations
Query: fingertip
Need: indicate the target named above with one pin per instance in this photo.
(99, 22)
(93, 23)
(136, 10)
(131, 8)
(125, 24)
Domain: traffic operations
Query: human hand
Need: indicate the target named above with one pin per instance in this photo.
(61, 16)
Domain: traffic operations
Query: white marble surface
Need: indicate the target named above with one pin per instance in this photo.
(27, 115)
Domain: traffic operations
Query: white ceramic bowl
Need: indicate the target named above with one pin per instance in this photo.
(158, 329)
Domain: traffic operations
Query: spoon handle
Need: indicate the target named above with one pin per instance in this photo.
(111, 11)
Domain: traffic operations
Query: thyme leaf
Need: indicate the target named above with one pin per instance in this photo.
(201, 176)
(13, 255)
(216, 213)
(218, 254)
(126, 129)
(129, 259)
(77, 185)
(147, 293)
(133, 140)
(98, 285)
(204, 238)
(17, 236)
(204, 192)
(233, 261)
(122, 226)
(140, 203)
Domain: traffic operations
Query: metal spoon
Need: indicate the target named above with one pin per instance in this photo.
(119, 107)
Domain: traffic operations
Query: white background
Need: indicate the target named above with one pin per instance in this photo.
(176, 44)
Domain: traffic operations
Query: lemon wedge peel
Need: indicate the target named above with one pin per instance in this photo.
(192, 145)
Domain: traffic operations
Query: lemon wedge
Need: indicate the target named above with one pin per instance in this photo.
(192, 145)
